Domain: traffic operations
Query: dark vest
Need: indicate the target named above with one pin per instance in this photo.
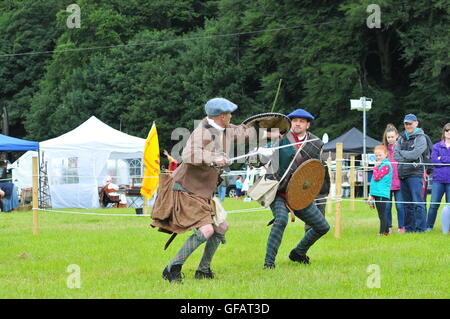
(409, 170)
(310, 150)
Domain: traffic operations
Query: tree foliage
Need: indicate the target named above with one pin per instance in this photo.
(135, 62)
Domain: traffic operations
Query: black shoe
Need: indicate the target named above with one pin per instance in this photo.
(204, 274)
(303, 259)
(270, 266)
(174, 274)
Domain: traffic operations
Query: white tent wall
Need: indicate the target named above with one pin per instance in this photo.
(73, 180)
(21, 172)
(78, 162)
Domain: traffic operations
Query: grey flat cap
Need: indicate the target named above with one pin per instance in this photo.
(218, 105)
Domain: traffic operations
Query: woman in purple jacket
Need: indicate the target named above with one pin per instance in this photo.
(441, 175)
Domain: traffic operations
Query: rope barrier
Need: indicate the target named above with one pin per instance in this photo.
(334, 199)
(247, 210)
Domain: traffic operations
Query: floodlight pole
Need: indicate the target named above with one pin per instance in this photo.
(363, 103)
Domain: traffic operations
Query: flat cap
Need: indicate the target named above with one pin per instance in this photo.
(218, 105)
(410, 118)
(301, 113)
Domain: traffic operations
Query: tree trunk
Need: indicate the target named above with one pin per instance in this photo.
(383, 41)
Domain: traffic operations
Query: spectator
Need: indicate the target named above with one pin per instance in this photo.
(441, 175)
(390, 138)
(112, 189)
(409, 152)
(222, 188)
(380, 186)
(9, 198)
(3, 170)
(239, 184)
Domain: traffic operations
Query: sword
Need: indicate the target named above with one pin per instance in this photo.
(260, 150)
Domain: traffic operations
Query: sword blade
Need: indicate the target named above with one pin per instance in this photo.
(272, 148)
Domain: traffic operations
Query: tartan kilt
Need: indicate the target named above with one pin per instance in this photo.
(178, 211)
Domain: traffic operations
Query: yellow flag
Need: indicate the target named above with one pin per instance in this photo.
(151, 164)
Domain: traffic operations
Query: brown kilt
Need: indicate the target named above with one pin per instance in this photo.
(178, 211)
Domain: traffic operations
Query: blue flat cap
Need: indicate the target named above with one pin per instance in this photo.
(218, 105)
(410, 118)
(301, 113)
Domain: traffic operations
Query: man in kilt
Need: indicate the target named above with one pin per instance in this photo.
(311, 215)
(184, 200)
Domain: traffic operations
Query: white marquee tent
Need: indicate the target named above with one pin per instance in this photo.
(78, 162)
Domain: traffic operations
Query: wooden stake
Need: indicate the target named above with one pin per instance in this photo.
(337, 217)
(35, 196)
(352, 182)
(329, 200)
(145, 208)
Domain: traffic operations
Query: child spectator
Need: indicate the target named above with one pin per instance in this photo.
(390, 137)
(380, 186)
(239, 185)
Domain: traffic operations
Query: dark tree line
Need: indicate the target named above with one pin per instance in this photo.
(135, 62)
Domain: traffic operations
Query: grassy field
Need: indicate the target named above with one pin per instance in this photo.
(122, 257)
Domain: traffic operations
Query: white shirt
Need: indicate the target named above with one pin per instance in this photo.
(214, 124)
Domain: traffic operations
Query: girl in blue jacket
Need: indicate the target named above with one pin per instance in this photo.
(380, 186)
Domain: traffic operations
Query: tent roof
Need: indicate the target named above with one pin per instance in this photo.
(94, 135)
(8, 143)
(353, 142)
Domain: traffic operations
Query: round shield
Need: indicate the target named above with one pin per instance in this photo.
(305, 184)
(270, 120)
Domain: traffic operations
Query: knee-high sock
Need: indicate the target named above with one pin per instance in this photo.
(189, 246)
(210, 249)
(281, 214)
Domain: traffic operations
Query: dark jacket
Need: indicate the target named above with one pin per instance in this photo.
(410, 149)
(311, 150)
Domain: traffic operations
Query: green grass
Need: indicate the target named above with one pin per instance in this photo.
(122, 257)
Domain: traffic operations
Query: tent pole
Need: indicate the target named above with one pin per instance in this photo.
(145, 206)
(363, 99)
(337, 216)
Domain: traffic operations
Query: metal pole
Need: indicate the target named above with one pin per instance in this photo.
(352, 182)
(338, 216)
(363, 101)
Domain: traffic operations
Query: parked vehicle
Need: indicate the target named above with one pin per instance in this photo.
(230, 180)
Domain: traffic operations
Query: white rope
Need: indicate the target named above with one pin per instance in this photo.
(94, 214)
(247, 210)
(391, 201)
(402, 163)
